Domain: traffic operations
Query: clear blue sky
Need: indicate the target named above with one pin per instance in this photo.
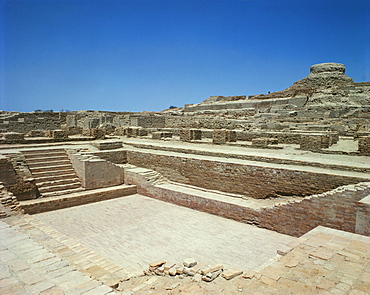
(138, 55)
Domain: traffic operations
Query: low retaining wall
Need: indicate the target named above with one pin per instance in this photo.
(336, 208)
(363, 216)
(256, 180)
(115, 156)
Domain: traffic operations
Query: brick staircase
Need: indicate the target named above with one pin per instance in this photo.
(53, 172)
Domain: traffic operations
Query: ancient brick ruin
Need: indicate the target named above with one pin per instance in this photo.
(289, 161)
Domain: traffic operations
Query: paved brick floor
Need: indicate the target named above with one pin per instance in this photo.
(26, 268)
(136, 230)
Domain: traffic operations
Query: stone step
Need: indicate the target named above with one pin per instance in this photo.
(53, 172)
(51, 162)
(77, 198)
(59, 187)
(51, 168)
(43, 153)
(43, 159)
(41, 174)
(77, 255)
(37, 151)
(67, 180)
(56, 177)
(44, 156)
(62, 192)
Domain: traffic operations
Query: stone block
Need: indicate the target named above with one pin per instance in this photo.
(157, 263)
(209, 277)
(249, 274)
(231, 273)
(108, 145)
(189, 262)
(212, 268)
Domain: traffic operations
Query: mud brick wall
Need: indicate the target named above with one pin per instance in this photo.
(36, 133)
(219, 136)
(364, 145)
(9, 204)
(283, 137)
(336, 209)
(116, 157)
(97, 133)
(131, 131)
(363, 216)
(25, 122)
(256, 181)
(16, 177)
(120, 131)
(190, 134)
(185, 135)
(86, 197)
(148, 121)
(157, 135)
(313, 142)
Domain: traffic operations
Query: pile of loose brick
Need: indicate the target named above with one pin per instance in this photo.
(190, 268)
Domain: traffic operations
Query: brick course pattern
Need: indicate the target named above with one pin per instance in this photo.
(114, 156)
(335, 209)
(190, 134)
(314, 142)
(249, 180)
(9, 204)
(363, 216)
(364, 145)
(16, 177)
(76, 199)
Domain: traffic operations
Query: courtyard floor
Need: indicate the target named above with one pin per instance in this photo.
(136, 230)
